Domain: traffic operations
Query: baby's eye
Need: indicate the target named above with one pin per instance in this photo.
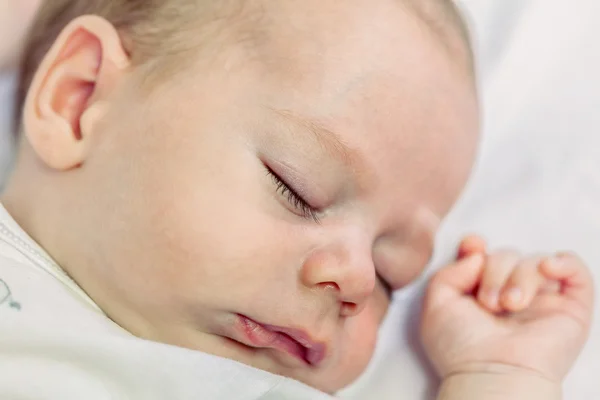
(295, 200)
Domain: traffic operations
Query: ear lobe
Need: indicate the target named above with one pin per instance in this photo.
(85, 55)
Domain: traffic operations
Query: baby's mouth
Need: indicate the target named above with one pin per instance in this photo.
(294, 342)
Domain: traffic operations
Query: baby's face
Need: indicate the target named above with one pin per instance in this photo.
(254, 211)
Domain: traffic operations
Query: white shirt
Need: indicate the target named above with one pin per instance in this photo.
(55, 343)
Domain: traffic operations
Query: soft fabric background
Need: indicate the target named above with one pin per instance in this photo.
(537, 182)
(7, 83)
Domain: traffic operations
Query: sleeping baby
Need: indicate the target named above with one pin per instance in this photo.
(251, 181)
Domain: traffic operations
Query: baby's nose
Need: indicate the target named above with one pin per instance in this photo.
(349, 275)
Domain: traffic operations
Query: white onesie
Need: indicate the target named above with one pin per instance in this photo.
(55, 343)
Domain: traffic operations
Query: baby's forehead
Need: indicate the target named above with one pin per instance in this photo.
(303, 42)
(276, 31)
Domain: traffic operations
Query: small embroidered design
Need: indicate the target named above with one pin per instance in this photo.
(6, 296)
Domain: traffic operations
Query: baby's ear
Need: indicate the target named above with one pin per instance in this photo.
(63, 101)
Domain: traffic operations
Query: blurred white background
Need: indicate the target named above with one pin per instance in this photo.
(14, 21)
(7, 83)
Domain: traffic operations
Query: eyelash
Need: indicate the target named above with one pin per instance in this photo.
(293, 198)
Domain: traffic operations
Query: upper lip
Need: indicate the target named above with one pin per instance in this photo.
(315, 351)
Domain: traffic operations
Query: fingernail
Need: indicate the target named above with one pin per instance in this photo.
(553, 263)
(515, 295)
(557, 262)
(470, 259)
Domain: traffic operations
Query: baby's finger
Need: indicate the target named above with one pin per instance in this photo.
(470, 245)
(497, 271)
(575, 278)
(458, 279)
(523, 285)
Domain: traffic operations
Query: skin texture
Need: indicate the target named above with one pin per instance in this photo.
(15, 17)
(160, 205)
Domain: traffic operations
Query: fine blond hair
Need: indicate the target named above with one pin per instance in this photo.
(153, 30)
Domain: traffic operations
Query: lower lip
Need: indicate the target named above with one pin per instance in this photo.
(264, 336)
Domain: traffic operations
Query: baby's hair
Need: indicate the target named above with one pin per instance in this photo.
(156, 32)
(151, 30)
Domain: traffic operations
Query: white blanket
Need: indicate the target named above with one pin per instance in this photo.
(537, 183)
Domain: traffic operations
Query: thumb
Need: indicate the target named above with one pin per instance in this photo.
(456, 280)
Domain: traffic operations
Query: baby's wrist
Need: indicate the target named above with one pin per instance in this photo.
(499, 382)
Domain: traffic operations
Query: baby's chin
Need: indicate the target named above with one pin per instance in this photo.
(352, 357)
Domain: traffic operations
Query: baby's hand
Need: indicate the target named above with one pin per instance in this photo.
(500, 312)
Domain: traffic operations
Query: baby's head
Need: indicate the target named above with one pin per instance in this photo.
(199, 167)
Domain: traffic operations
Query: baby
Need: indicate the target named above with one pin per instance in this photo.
(252, 180)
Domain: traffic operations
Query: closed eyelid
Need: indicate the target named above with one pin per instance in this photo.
(293, 197)
(309, 191)
(297, 181)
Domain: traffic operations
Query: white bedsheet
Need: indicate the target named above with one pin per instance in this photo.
(537, 183)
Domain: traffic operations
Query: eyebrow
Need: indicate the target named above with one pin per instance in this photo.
(330, 141)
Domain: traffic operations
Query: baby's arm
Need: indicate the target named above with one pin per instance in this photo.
(500, 326)
(515, 385)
